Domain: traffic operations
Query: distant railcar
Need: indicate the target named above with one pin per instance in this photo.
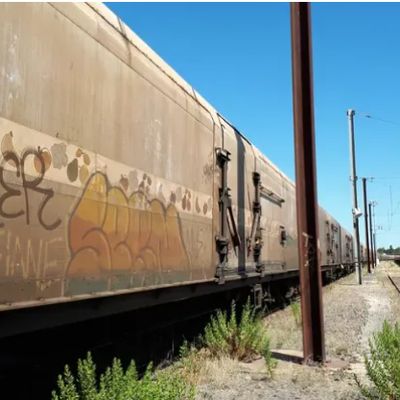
(118, 178)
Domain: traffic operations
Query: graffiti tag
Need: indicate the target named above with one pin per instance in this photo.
(29, 257)
(29, 185)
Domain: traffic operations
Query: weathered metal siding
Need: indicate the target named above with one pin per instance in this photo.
(240, 183)
(323, 226)
(272, 197)
(290, 225)
(330, 239)
(108, 173)
(347, 247)
(107, 162)
(334, 242)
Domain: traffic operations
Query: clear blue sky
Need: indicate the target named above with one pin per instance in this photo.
(237, 56)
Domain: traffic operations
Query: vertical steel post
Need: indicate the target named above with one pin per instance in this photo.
(364, 181)
(353, 179)
(370, 234)
(374, 203)
(306, 184)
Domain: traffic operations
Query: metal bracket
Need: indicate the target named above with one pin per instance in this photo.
(258, 296)
(255, 242)
(222, 241)
(283, 236)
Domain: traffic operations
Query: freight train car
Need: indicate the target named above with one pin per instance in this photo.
(120, 186)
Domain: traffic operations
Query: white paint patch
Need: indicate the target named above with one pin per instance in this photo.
(24, 138)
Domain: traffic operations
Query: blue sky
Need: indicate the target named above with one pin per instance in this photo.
(237, 55)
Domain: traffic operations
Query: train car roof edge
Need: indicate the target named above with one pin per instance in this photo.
(124, 30)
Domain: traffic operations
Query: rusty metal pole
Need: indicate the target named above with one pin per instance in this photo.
(306, 185)
(370, 235)
(364, 181)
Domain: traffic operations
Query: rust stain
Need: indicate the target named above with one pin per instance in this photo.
(208, 171)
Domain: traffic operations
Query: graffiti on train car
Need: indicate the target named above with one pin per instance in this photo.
(77, 222)
(20, 174)
(110, 231)
(29, 256)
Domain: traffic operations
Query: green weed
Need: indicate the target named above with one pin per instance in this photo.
(383, 365)
(296, 310)
(242, 337)
(119, 384)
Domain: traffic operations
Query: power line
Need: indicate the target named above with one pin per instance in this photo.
(369, 116)
(391, 200)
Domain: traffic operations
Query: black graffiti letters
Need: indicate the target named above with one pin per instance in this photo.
(10, 192)
(29, 184)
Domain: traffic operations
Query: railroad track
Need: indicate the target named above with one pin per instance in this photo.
(395, 281)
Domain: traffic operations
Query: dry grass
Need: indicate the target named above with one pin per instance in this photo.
(284, 329)
(199, 367)
(352, 313)
(344, 314)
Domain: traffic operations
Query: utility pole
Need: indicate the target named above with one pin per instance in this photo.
(370, 234)
(306, 184)
(374, 203)
(353, 179)
(364, 181)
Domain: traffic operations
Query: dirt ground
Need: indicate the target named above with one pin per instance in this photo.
(352, 314)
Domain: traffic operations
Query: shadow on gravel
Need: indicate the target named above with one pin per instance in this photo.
(290, 356)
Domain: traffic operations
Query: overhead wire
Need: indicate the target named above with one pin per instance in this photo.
(390, 212)
(369, 116)
(386, 177)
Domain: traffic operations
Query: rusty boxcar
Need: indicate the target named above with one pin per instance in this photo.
(117, 178)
